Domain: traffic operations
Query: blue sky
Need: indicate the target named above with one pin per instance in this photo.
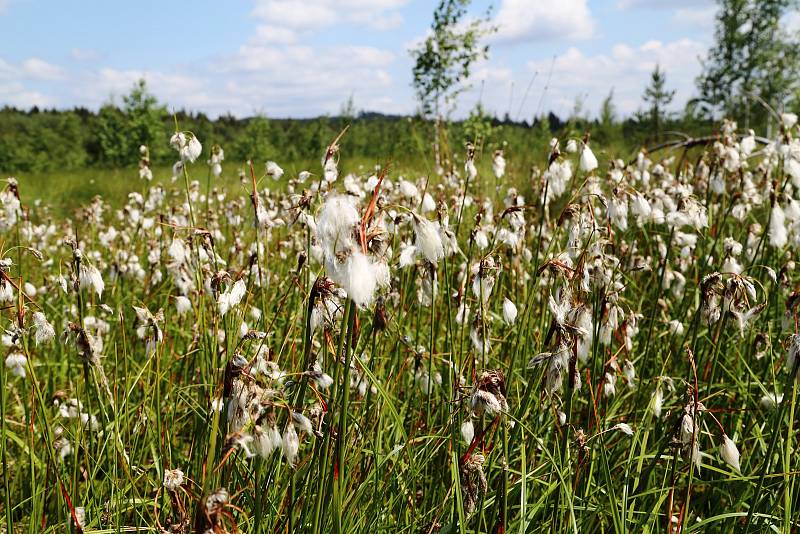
(306, 57)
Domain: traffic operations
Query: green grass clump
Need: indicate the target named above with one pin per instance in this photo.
(584, 349)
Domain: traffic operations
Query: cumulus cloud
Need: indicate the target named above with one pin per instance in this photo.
(526, 20)
(282, 76)
(15, 94)
(625, 68)
(282, 68)
(306, 15)
(269, 34)
(702, 18)
(84, 54)
(39, 69)
(660, 4)
(31, 69)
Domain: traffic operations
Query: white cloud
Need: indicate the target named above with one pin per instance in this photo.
(108, 80)
(533, 20)
(702, 18)
(39, 69)
(304, 80)
(281, 68)
(307, 15)
(290, 13)
(15, 94)
(624, 68)
(378, 21)
(84, 54)
(659, 4)
(268, 34)
(7, 70)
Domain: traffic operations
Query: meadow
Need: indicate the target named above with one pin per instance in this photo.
(466, 343)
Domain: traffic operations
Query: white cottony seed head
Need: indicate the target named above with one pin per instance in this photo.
(729, 452)
(509, 311)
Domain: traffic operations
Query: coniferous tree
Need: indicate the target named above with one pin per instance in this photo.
(658, 97)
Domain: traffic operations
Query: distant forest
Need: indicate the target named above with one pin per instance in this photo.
(39, 140)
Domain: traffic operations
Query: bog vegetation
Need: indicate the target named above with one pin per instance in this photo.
(371, 326)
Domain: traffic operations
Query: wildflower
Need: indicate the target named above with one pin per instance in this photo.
(407, 254)
(173, 479)
(273, 170)
(467, 431)
(778, 235)
(91, 279)
(177, 170)
(588, 161)
(788, 120)
(360, 279)
(302, 422)
(290, 445)
(187, 144)
(748, 143)
(771, 400)
(178, 140)
(729, 452)
(657, 401)
(44, 330)
(429, 242)
(148, 328)
(625, 428)
(484, 279)
(687, 428)
(509, 311)
(267, 440)
(428, 204)
(609, 384)
(217, 157)
(244, 442)
(323, 380)
(629, 372)
(335, 223)
(232, 297)
(16, 363)
(498, 164)
(216, 500)
(182, 304)
(330, 172)
(572, 146)
(489, 393)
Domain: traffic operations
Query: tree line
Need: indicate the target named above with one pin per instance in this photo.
(38, 140)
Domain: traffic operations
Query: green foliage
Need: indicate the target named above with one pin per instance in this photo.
(658, 97)
(608, 112)
(121, 131)
(478, 126)
(41, 141)
(254, 144)
(443, 61)
(753, 55)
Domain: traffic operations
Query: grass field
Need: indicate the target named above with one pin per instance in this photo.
(591, 348)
